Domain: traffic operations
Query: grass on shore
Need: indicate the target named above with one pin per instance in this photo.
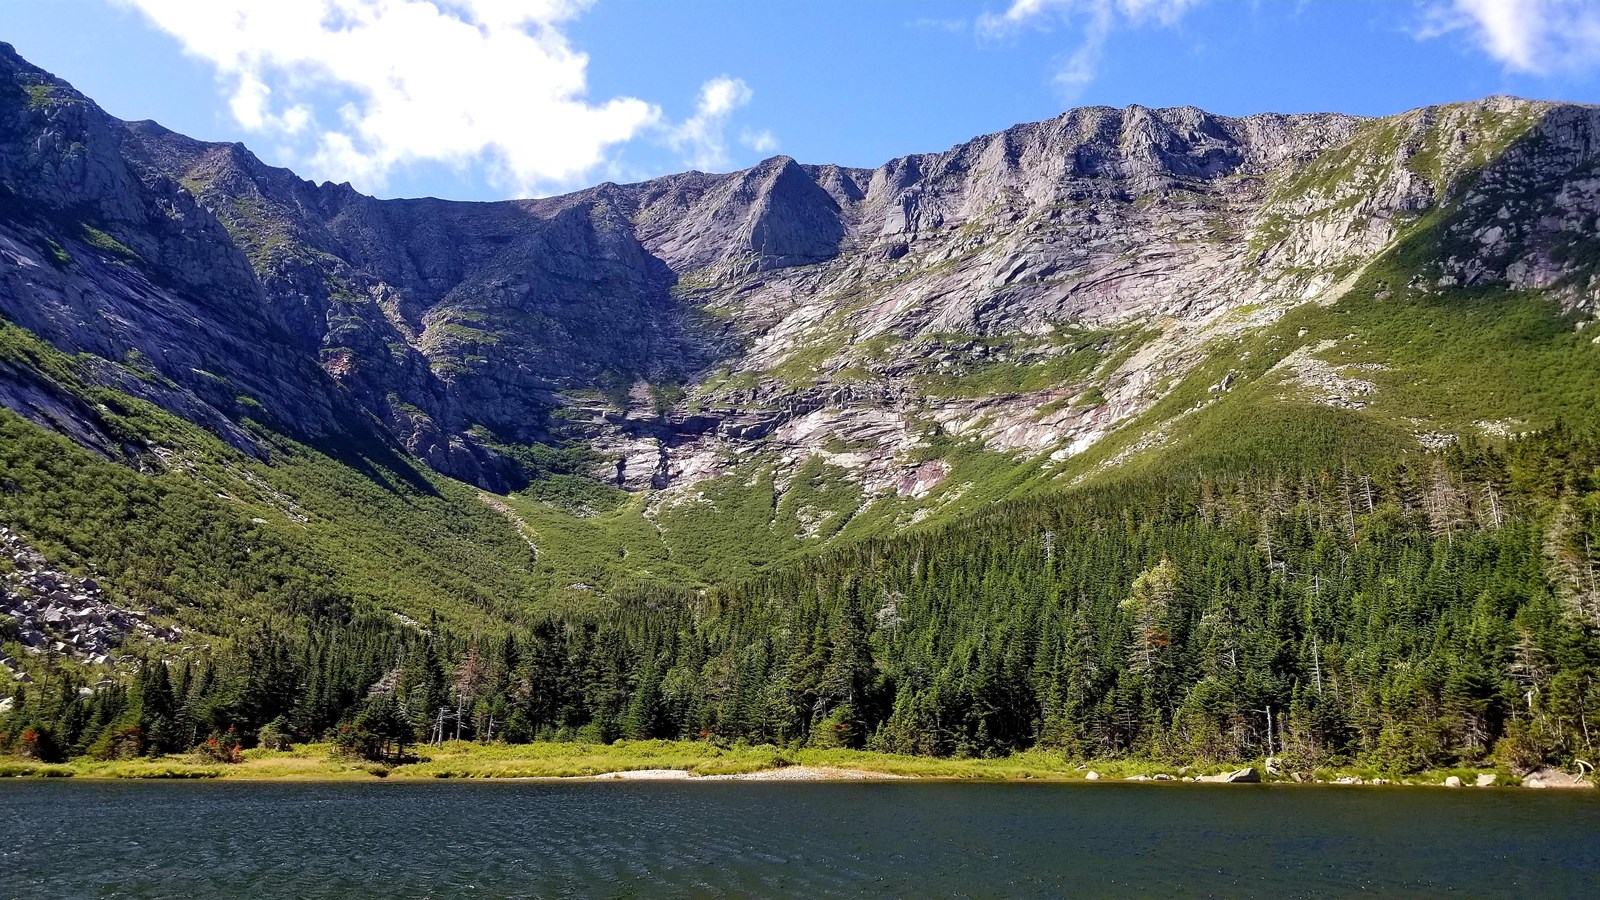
(462, 759)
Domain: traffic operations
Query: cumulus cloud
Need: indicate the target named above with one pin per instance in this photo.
(702, 138)
(1538, 37)
(1095, 19)
(359, 88)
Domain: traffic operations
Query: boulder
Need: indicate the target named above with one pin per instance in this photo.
(1452, 782)
(1162, 777)
(1486, 779)
(1092, 776)
(1240, 776)
(1554, 778)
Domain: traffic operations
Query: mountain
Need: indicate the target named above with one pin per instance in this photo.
(1127, 350)
(1020, 312)
(778, 308)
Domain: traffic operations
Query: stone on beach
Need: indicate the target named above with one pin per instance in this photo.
(1554, 778)
(1240, 776)
(783, 773)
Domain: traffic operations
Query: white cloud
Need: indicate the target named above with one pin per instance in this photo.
(1095, 19)
(952, 25)
(1539, 37)
(701, 137)
(1047, 13)
(464, 82)
(762, 141)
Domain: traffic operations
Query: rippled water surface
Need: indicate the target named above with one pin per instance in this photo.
(801, 840)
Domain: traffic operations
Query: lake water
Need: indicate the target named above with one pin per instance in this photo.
(631, 839)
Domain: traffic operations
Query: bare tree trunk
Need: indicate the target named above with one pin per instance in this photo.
(1316, 659)
(1494, 505)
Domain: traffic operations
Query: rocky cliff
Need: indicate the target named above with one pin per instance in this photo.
(1028, 292)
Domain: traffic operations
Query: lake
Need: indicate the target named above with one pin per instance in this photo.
(926, 839)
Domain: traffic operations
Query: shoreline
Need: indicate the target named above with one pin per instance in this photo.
(769, 776)
(693, 762)
(783, 773)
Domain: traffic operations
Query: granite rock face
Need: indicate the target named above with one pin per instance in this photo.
(132, 271)
(1030, 290)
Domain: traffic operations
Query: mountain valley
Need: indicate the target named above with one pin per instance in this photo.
(759, 452)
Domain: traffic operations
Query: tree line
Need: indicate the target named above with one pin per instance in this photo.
(1441, 609)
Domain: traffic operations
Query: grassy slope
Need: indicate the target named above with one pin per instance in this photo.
(1452, 362)
(1456, 365)
(1447, 360)
(748, 521)
(365, 524)
(209, 533)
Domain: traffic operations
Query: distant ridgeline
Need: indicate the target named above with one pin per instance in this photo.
(1416, 615)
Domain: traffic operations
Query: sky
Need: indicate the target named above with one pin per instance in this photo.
(488, 99)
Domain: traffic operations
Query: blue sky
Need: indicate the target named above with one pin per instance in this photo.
(483, 99)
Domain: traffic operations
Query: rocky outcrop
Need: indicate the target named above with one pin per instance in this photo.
(51, 611)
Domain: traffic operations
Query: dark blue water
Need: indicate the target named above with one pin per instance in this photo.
(65, 839)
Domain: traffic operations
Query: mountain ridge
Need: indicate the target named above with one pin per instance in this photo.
(1026, 302)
